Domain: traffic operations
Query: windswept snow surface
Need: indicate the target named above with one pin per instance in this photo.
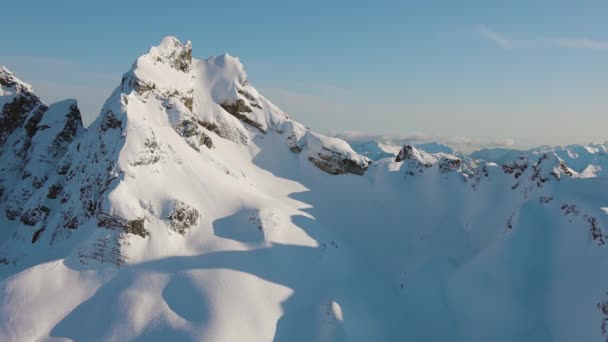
(195, 209)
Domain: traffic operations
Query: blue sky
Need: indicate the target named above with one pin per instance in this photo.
(528, 72)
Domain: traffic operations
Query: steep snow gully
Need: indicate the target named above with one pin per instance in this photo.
(193, 208)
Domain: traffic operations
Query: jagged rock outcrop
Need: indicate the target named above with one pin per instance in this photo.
(182, 217)
(34, 138)
(336, 163)
(529, 174)
(549, 166)
(173, 53)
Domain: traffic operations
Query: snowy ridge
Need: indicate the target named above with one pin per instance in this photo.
(11, 85)
(193, 205)
(593, 157)
(415, 160)
(527, 173)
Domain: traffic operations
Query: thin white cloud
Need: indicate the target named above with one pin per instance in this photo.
(506, 42)
(497, 38)
(461, 144)
(504, 142)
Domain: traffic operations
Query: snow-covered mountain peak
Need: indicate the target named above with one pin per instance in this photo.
(173, 52)
(9, 83)
(229, 79)
(231, 63)
(169, 108)
(551, 165)
(415, 160)
(409, 152)
(214, 97)
(164, 71)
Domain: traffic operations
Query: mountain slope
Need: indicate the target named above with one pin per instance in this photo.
(195, 209)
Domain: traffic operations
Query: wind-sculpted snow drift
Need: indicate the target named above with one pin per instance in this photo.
(195, 209)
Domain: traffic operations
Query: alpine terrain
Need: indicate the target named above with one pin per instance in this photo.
(193, 208)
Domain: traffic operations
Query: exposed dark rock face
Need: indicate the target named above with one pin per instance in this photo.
(137, 227)
(210, 126)
(138, 85)
(509, 223)
(252, 100)
(350, 166)
(105, 250)
(194, 134)
(449, 164)
(71, 222)
(223, 131)
(72, 126)
(336, 163)
(182, 60)
(406, 152)
(188, 101)
(110, 221)
(36, 235)
(16, 112)
(597, 233)
(205, 140)
(516, 168)
(32, 216)
(182, 217)
(31, 126)
(570, 209)
(548, 166)
(295, 148)
(110, 121)
(237, 108)
(603, 307)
